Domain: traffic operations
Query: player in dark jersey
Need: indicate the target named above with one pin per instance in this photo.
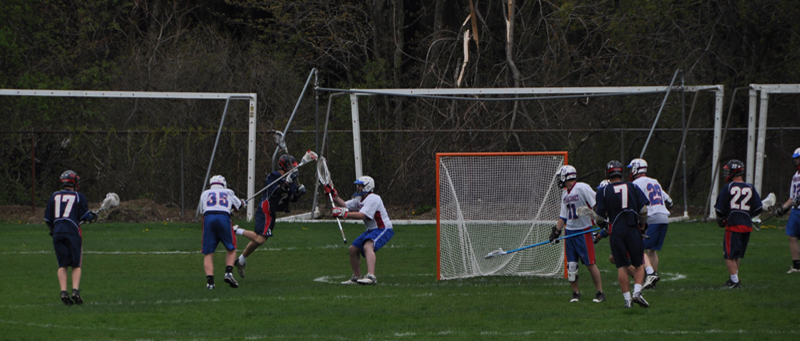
(65, 212)
(623, 207)
(737, 203)
(275, 198)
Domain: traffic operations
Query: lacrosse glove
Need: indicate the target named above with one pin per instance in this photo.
(554, 234)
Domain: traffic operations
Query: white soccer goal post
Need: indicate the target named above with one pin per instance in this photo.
(759, 107)
(481, 207)
(251, 97)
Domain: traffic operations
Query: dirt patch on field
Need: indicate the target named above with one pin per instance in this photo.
(144, 210)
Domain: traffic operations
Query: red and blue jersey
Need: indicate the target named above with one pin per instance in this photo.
(738, 202)
(371, 204)
(65, 210)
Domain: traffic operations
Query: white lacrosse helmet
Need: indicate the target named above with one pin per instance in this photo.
(796, 158)
(566, 173)
(638, 166)
(218, 180)
(602, 184)
(368, 184)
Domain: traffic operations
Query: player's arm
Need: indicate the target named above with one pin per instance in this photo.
(786, 207)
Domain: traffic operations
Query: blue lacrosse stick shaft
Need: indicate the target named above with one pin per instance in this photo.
(547, 241)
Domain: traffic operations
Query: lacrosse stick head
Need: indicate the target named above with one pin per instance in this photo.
(585, 211)
(308, 157)
(495, 253)
(322, 172)
(111, 200)
(279, 139)
(769, 201)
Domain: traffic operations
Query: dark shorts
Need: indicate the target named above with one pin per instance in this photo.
(580, 247)
(734, 245)
(379, 237)
(265, 220)
(69, 250)
(627, 246)
(656, 232)
(217, 229)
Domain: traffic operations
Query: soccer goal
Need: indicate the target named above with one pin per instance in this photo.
(487, 201)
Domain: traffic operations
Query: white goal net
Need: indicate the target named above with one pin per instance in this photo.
(487, 201)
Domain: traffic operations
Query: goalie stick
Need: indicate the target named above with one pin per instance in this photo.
(308, 157)
(324, 177)
(500, 252)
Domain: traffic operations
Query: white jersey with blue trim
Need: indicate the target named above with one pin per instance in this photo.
(372, 207)
(794, 191)
(581, 194)
(657, 197)
(220, 200)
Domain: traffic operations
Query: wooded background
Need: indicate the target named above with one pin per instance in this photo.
(159, 149)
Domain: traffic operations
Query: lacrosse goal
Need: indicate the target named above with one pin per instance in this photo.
(490, 200)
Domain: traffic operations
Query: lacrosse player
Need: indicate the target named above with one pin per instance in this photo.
(66, 211)
(620, 206)
(275, 198)
(218, 201)
(368, 206)
(737, 204)
(657, 217)
(574, 195)
(793, 226)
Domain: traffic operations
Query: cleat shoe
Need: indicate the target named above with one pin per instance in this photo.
(650, 281)
(209, 286)
(793, 270)
(576, 296)
(600, 297)
(639, 299)
(229, 279)
(627, 304)
(76, 296)
(369, 279)
(239, 267)
(352, 280)
(65, 298)
(731, 285)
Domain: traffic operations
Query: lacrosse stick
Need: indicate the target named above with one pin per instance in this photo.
(500, 252)
(111, 200)
(310, 156)
(324, 177)
(586, 211)
(767, 204)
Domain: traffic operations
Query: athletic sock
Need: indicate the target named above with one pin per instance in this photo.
(735, 278)
(637, 288)
(649, 270)
(229, 269)
(626, 296)
(242, 258)
(210, 279)
(239, 231)
(796, 264)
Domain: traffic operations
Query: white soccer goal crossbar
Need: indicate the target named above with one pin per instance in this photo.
(481, 207)
(251, 97)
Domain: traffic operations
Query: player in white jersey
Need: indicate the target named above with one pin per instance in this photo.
(218, 204)
(368, 206)
(657, 217)
(793, 226)
(574, 195)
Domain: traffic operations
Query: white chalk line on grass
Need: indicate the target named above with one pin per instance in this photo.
(262, 249)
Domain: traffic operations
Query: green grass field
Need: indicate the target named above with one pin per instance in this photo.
(146, 282)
